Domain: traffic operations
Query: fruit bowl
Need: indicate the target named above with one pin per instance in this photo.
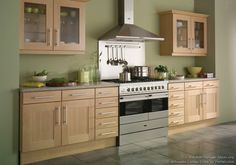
(194, 71)
(40, 78)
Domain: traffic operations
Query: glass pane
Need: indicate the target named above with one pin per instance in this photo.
(182, 34)
(34, 22)
(199, 35)
(69, 25)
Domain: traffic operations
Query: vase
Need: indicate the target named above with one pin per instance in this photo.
(162, 75)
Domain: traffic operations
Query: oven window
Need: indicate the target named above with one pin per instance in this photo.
(133, 107)
(159, 104)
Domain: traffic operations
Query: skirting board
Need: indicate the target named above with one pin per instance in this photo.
(35, 156)
(191, 126)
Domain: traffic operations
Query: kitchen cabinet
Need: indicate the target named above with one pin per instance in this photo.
(106, 112)
(40, 121)
(176, 104)
(77, 117)
(201, 100)
(52, 27)
(185, 33)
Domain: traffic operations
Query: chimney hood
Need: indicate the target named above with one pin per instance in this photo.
(126, 30)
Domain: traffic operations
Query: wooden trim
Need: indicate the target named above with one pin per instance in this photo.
(27, 52)
(30, 157)
(184, 13)
(191, 126)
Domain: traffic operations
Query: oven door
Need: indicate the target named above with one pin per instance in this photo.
(138, 104)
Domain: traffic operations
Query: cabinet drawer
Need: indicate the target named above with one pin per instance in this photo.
(77, 94)
(176, 112)
(106, 92)
(106, 112)
(41, 97)
(106, 133)
(107, 123)
(210, 84)
(176, 95)
(173, 121)
(176, 86)
(107, 102)
(173, 104)
(193, 85)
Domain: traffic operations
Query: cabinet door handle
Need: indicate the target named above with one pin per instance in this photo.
(65, 114)
(57, 37)
(58, 116)
(49, 37)
(189, 43)
(103, 93)
(175, 114)
(105, 103)
(42, 97)
(108, 123)
(108, 133)
(106, 113)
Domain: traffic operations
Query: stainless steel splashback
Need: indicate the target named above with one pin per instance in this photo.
(133, 53)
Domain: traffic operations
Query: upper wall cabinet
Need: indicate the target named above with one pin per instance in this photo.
(52, 27)
(185, 33)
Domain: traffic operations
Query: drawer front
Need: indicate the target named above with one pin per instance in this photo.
(175, 86)
(176, 112)
(106, 92)
(107, 123)
(174, 121)
(210, 84)
(77, 94)
(41, 97)
(176, 95)
(141, 126)
(106, 112)
(174, 104)
(193, 85)
(106, 133)
(107, 102)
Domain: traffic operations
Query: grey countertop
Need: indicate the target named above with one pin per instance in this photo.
(81, 86)
(191, 80)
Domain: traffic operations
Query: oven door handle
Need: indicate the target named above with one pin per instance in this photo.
(143, 97)
(157, 96)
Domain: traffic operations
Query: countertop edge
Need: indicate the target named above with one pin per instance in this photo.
(192, 80)
(82, 86)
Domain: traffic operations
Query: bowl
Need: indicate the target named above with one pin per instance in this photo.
(179, 77)
(194, 71)
(39, 78)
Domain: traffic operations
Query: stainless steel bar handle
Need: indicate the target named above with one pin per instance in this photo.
(65, 114)
(42, 97)
(77, 94)
(57, 37)
(49, 37)
(106, 113)
(105, 103)
(58, 116)
(108, 133)
(108, 123)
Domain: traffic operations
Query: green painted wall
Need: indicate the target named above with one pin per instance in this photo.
(207, 7)
(9, 71)
(225, 39)
(101, 16)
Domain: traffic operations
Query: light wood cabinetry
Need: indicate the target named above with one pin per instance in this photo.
(176, 104)
(52, 27)
(185, 33)
(77, 117)
(201, 100)
(106, 112)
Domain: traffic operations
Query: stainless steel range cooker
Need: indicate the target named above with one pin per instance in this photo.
(143, 110)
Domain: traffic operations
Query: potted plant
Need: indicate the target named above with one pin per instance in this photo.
(40, 76)
(162, 71)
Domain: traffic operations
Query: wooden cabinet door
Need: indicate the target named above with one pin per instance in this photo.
(210, 103)
(41, 126)
(77, 121)
(36, 22)
(181, 33)
(69, 25)
(193, 105)
(199, 35)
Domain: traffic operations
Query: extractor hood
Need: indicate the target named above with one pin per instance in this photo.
(126, 30)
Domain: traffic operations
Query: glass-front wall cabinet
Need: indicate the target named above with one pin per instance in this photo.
(52, 25)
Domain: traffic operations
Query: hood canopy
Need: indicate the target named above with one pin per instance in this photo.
(126, 30)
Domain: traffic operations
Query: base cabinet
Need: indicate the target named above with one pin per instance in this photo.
(210, 103)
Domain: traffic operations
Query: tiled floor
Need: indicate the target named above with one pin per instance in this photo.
(207, 146)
